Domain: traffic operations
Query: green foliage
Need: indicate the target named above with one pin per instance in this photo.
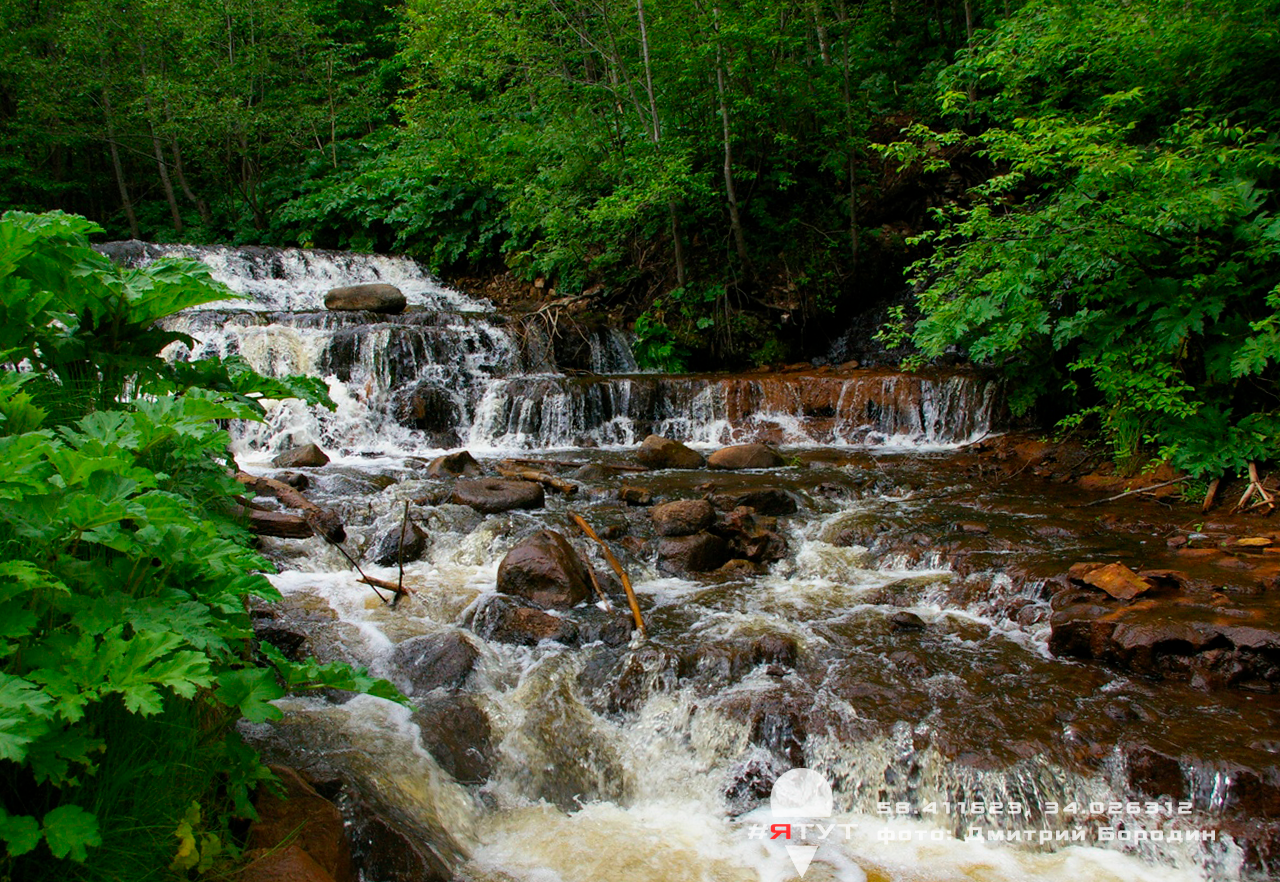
(123, 579)
(1124, 252)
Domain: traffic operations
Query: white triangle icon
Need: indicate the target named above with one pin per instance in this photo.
(802, 856)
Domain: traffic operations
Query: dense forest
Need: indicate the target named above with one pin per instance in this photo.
(1087, 190)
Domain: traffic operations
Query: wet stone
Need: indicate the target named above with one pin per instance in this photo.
(306, 456)
(633, 495)
(906, 621)
(746, 456)
(371, 297)
(699, 553)
(658, 452)
(456, 732)
(389, 549)
(506, 620)
(460, 463)
(494, 495)
(765, 501)
(432, 661)
(429, 408)
(545, 568)
(684, 517)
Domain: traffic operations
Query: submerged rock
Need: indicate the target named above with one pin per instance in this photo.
(306, 456)
(658, 452)
(371, 297)
(766, 501)
(746, 456)
(699, 553)
(429, 408)
(494, 495)
(506, 620)
(457, 734)
(432, 661)
(545, 569)
(388, 550)
(684, 517)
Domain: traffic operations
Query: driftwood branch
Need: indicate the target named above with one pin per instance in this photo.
(617, 568)
(550, 481)
(1210, 495)
(1134, 492)
(274, 523)
(1255, 487)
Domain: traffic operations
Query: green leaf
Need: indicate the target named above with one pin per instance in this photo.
(71, 831)
(24, 712)
(21, 833)
(250, 690)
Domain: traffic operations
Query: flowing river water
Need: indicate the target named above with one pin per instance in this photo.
(956, 745)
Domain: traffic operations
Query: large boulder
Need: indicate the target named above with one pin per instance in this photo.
(306, 456)
(285, 864)
(657, 452)
(765, 500)
(684, 517)
(746, 456)
(699, 553)
(389, 550)
(305, 819)
(371, 297)
(432, 661)
(545, 569)
(507, 620)
(429, 408)
(494, 495)
(456, 732)
(752, 536)
(459, 463)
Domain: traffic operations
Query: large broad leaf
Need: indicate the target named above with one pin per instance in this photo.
(24, 714)
(20, 833)
(71, 831)
(249, 690)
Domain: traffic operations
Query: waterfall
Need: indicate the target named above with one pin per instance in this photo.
(451, 371)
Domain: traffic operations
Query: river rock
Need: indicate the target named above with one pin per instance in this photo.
(432, 661)
(306, 820)
(746, 456)
(1115, 579)
(371, 297)
(388, 550)
(751, 536)
(684, 517)
(657, 452)
(282, 864)
(456, 732)
(545, 569)
(633, 495)
(765, 500)
(459, 463)
(494, 495)
(507, 620)
(428, 408)
(699, 553)
(906, 621)
(306, 456)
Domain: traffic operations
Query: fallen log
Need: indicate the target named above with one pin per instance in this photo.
(322, 521)
(274, 523)
(549, 481)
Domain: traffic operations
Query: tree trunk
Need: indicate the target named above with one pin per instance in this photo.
(118, 167)
(731, 195)
(656, 134)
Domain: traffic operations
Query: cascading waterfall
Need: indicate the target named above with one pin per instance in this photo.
(503, 387)
(652, 761)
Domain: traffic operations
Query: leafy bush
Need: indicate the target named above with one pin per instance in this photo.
(1123, 253)
(124, 633)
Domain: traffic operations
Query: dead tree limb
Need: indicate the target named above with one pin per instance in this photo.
(617, 568)
(323, 521)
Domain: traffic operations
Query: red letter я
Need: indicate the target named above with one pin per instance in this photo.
(783, 830)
